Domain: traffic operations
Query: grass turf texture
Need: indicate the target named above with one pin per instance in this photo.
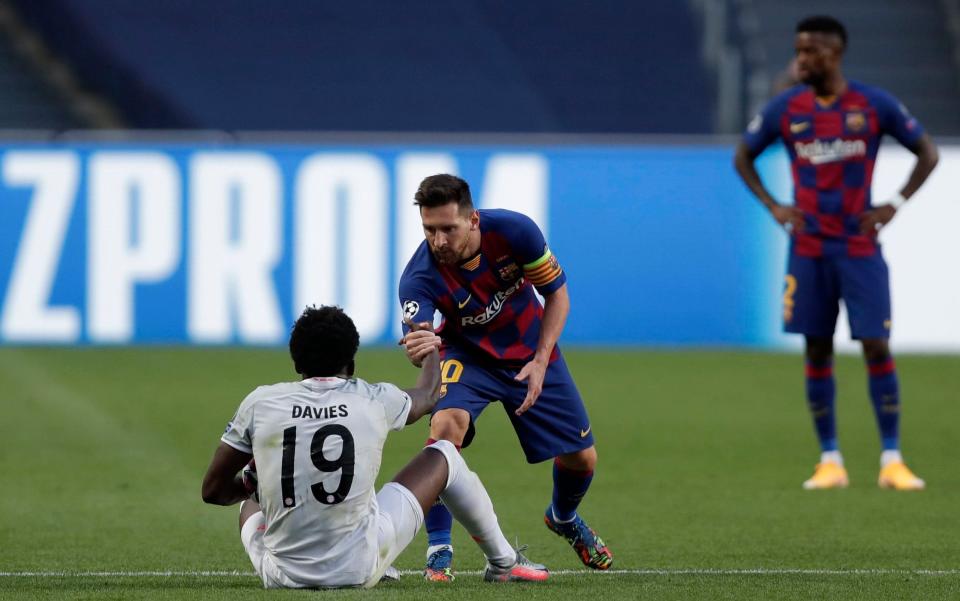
(701, 459)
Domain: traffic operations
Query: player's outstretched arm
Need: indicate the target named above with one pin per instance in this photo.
(419, 341)
(421, 344)
(743, 161)
(424, 396)
(222, 484)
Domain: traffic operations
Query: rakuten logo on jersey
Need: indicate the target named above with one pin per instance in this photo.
(493, 309)
(819, 152)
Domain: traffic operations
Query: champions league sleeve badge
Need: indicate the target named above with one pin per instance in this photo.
(410, 309)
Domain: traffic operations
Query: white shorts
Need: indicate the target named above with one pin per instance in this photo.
(398, 521)
(251, 535)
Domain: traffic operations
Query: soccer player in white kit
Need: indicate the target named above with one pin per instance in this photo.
(316, 445)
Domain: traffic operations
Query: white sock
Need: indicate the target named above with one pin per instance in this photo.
(831, 457)
(468, 501)
(558, 520)
(890, 456)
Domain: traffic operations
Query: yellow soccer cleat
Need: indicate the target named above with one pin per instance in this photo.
(827, 475)
(897, 475)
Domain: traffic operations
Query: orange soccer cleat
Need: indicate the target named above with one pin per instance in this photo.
(827, 475)
(897, 475)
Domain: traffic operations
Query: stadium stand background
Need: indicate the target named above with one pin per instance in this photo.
(697, 67)
(479, 65)
(27, 100)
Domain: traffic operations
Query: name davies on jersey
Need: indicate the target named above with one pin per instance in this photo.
(819, 152)
(493, 309)
(328, 412)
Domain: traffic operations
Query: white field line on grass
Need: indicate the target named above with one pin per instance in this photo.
(637, 572)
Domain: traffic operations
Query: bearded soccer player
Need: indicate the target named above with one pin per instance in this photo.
(831, 128)
(317, 444)
(479, 269)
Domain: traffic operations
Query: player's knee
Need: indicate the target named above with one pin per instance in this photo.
(819, 349)
(875, 350)
(455, 463)
(248, 509)
(582, 461)
(450, 424)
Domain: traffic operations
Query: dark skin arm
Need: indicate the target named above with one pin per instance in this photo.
(787, 216)
(927, 157)
(427, 390)
(223, 484)
(870, 221)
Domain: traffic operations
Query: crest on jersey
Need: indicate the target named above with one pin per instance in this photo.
(856, 121)
(509, 272)
(755, 124)
(410, 309)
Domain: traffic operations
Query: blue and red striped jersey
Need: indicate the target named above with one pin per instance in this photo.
(832, 144)
(487, 302)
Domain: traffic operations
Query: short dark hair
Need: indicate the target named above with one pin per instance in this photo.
(439, 190)
(823, 24)
(323, 342)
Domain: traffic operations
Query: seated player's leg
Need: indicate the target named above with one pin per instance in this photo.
(470, 504)
(252, 527)
(465, 391)
(866, 292)
(402, 504)
(557, 427)
(439, 470)
(811, 303)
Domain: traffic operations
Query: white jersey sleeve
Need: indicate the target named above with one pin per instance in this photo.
(396, 404)
(239, 432)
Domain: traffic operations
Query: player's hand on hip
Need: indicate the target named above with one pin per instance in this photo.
(532, 373)
(791, 218)
(418, 344)
(871, 221)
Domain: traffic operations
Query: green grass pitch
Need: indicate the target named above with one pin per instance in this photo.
(697, 491)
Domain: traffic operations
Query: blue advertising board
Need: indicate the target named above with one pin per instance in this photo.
(225, 244)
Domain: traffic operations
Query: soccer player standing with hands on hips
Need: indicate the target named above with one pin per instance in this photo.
(831, 128)
(478, 268)
(317, 444)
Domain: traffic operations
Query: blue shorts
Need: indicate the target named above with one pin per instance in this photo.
(556, 424)
(815, 285)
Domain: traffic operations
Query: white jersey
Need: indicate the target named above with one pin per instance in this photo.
(318, 444)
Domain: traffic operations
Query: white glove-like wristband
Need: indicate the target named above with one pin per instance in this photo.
(897, 201)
